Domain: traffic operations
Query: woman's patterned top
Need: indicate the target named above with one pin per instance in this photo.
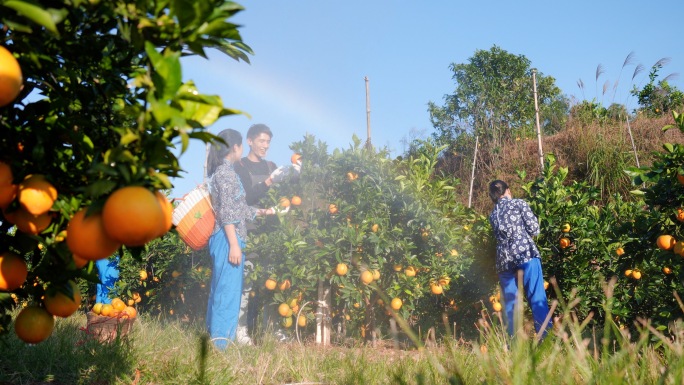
(514, 225)
(228, 200)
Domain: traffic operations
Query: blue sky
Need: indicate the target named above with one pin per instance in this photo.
(311, 57)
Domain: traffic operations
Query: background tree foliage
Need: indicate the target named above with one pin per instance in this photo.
(494, 99)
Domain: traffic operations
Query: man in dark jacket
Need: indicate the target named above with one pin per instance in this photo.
(258, 175)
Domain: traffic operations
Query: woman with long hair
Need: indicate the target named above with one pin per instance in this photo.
(228, 239)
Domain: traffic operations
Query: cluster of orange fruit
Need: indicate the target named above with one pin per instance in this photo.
(272, 284)
(288, 311)
(116, 309)
(284, 202)
(131, 216)
(35, 196)
(495, 301)
(35, 323)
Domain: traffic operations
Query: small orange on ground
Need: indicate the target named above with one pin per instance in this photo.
(167, 209)
(376, 274)
(13, 271)
(97, 308)
(118, 304)
(410, 271)
(628, 272)
(636, 274)
(295, 158)
(11, 80)
(36, 194)
(366, 277)
(665, 242)
(132, 216)
(667, 270)
(436, 289)
(396, 303)
(34, 324)
(286, 284)
(496, 306)
(129, 312)
(341, 269)
(332, 209)
(296, 200)
(284, 310)
(619, 251)
(64, 300)
(564, 242)
(86, 237)
(301, 321)
(284, 202)
(287, 322)
(270, 284)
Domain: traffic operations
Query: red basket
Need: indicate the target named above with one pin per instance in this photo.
(108, 329)
(194, 218)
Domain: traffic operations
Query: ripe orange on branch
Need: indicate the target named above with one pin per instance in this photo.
(396, 303)
(366, 277)
(665, 242)
(60, 304)
(34, 324)
(564, 242)
(13, 271)
(132, 216)
(87, 238)
(28, 223)
(296, 201)
(270, 284)
(295, 158)
(167, 209)
(36, 195)
(341, 269)
(284, 202)
(11, 79)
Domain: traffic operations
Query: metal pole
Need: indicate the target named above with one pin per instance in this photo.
(472, 175)
(368, 126)
(536, 113)
(206, 161)
(631, 138)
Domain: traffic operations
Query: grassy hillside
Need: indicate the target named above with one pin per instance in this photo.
(596, 153)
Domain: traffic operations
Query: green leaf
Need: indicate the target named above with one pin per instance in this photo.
(669, 147)
(47, 18)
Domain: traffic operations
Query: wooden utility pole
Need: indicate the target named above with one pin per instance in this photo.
(368, 126)
(536, 114)
(631, 138)
(472, 175)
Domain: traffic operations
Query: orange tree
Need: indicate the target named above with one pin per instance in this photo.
(656, 247)
(382, 234)
(583, 244)
(103, 107)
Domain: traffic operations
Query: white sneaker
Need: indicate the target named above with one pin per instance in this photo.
(241, 336)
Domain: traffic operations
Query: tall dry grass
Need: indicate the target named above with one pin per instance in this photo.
(595, 153)
(160, 352)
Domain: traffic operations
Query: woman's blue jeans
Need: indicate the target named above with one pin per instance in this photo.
(225, 292)
(533, 287)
